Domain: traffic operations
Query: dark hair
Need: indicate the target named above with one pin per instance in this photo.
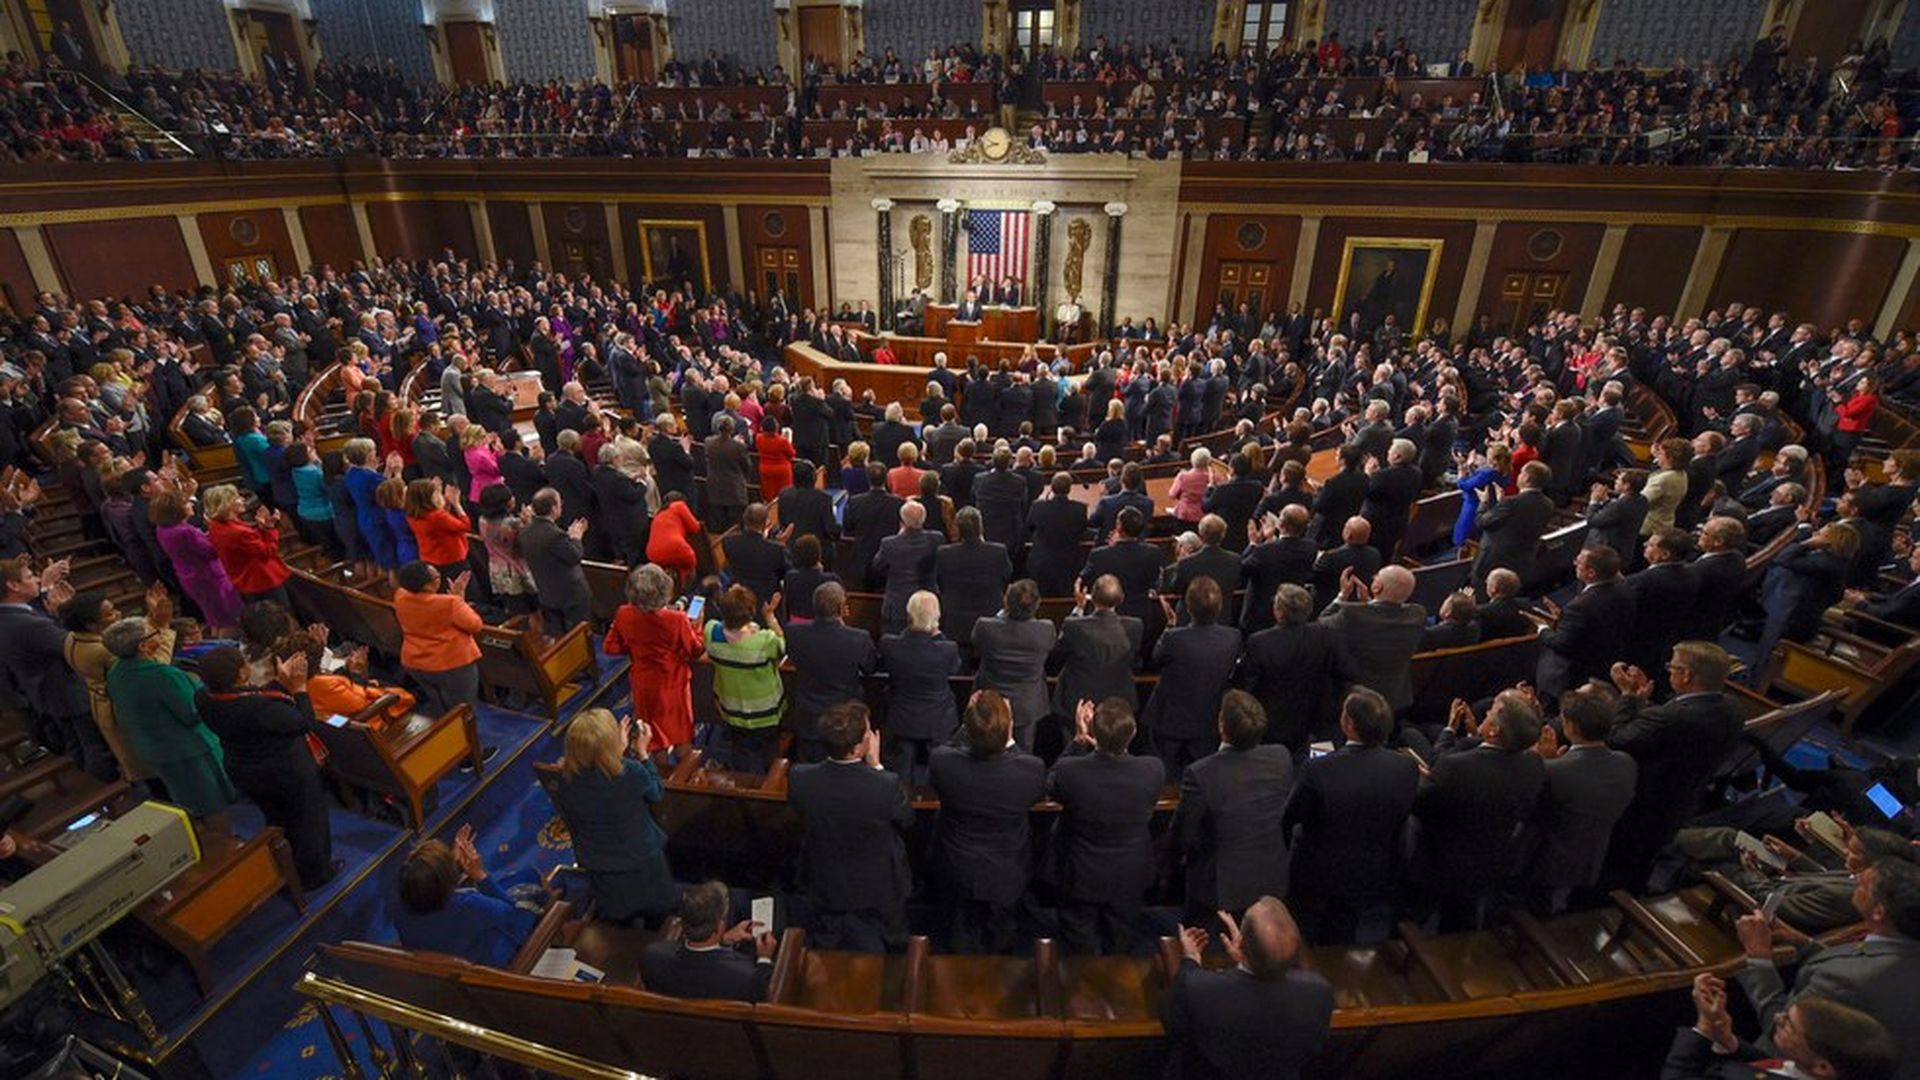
(1204, 600)
(1856, 1044)
(80, 613)
(417, 576)
(1896, 886)
(1589, 709)
(1243, 723)
(806, 551)
(1113, 725)
(1022, 598)
(222, 668)
(264, 623)
(1604, 560)
(703, 910)
(986, 723)
(495, 499)
(737, 606)
(428, 877)
(1131, 522)
(1519, 720)
(1372, 717)
(545, 502)
(842, 727)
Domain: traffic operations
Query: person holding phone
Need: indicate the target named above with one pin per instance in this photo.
(662, 642)
(607, 786)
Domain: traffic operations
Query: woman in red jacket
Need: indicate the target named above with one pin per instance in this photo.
(1852, 417)
(669, 540)
(776, 460)
(439, 528)
(246, 535)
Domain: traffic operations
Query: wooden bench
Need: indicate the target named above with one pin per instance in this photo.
(401, 760)
(1860, 669)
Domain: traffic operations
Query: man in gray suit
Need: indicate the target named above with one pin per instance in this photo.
(1228, 825)
(1381, 631)
(906, 562)
(1588, 788)
(1013, 647)
(1511, 528)
(1879, 975)
(1098, 650)
(553, 556)
(729, 470)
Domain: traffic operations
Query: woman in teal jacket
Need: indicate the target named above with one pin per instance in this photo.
(153, 702)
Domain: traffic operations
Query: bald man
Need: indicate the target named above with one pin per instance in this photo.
(1261, 1018)
(1381, 630)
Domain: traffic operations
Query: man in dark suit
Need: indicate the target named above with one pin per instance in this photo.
(1588, 787)
(1503, 615)
(1236, 500)
(1676, 747)
(1097, 651)
(753, 558)
(1209, 560)
(1822, 1037)
(812, 424)
(970, 575)
(518, 470)
(1132, 495)
(1000, 494)
(1012, 648)
(987, 789)
(1614, 515)
(1511, 528)
(829, 657)
(1231, 805)
(1663, 599)
(871, 517)
(943, 438)
(854, 816)
(1263, 1018)
(905, 562)
(1719, 577)
(1056, 527)
(970, 309)
(434, 458)
(572, 479)
(1391, 493)
(1196, 663)
(1344, 822)
(1473, 805)
(1279, 556)
(1296, 669)
(1132, 561)
(1374, 434)
(706, 962)
(920, 711)
(1457, 627)
(1103, 846)
(1340, 497)
(1380, 629)
(553, 556)
(806, 510)
(957, 476)
(1356, 553)
(622, 500)
(33, 654)
(1901, 606)
(1561, 447)
(729, 472)
(1593, 631)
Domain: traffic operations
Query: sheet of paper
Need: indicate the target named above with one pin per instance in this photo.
(556, 964)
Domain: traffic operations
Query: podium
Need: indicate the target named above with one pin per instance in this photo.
(964, 331)
(1016, 324)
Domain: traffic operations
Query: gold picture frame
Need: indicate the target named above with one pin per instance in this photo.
(657, 237)
(1372, 253)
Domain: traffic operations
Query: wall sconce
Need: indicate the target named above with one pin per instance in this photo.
(947, 206)
(1044, 207)
(1115, 209)
(883, 205)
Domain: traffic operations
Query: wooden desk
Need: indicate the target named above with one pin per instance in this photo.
(1015, 324)
(906, 382)
(963, 331)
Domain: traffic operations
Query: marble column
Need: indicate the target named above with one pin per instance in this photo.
(1110, 289)
(883, 211)
(949, 246)
(1042, 256)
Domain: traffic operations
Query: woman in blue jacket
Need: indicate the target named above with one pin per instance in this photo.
(607, 789)
(1491, 474)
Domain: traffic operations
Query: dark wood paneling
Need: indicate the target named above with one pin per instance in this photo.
(1653, 267)
(717, 238)
(1518, 247)
(1274, 240)
(1334, 231)
(783, 226)
(583, 225)
(121, 258)
(16, 277)
(512, 231)
(332, 239)
(245, 234)
(421, 230)
(1825, 278)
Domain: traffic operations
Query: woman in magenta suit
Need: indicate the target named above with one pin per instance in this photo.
(196, 563)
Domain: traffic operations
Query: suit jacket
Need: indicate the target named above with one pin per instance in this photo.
(1801, 584)
(623, 513)
(1001, 497)
(1594, 630)
(1103, 847)
(1616, 523)
(1901, 606)
(982, 842)
(728, 471)
(1297, 672)
(672, 465)
(33, 653)
(757, 562)
(1284, 560)
(726, 974)
(1344, 821)
(871, 517)
(1218, 563)
(1504, 618)
(920, 702)
(1879, 976)
(1469, 814)
(1229, 1024)
(1719, 578)
(1055, 528)
(1338, 499)
(971, 577)
(1228, 826)
(1676, 746)
(1510, 532)
(1013, 660)
(436, 463)
(1363, 558)
(1136, 564)
(1560, 449)
(854, 820)
(1391, 493)
(1235, 502)
(554, 559)
(570, 476)
(1097, 653)
(828, 660)
(1381, 639)
(1587, 790)
(1196, 669)
(1663, 599)
(905, 561)
(1693, 1057)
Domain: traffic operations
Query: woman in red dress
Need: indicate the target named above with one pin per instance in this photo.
(669, 538)
(776, 460)
(662, 643)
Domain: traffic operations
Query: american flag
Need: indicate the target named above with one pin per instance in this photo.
(997, 244)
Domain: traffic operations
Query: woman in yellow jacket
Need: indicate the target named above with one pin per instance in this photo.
(85, 617)
(1667, 486)
(437, 628)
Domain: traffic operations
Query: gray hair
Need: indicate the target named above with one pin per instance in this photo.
(124, 638)
(923, 612)
(649, 587)
(1402, 450)
(359, 451)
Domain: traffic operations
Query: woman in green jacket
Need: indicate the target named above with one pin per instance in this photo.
(747, 688)
(153, 703)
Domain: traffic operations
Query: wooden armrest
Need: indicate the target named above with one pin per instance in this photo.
(1874, 649)
(1730, 893)
(378, 707)
(786, 963)
(1895, 630)
(542, 936)
(1637, 914)
(1535, 936)
(1050, 995)
(914, 993)
(1422, 954)
(776, 782)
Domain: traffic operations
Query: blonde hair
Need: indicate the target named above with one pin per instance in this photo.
(857, 453)
(473, 435)
(593, 742)
(221, 502)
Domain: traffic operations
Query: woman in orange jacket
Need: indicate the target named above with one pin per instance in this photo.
(437, 646)
(439, 527)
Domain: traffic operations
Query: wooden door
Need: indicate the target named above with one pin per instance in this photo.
(273, 33)
(1526, 296)
(633, 48)
(782, 268)
(820, 34)
(50, 18)
(1249, 283)
(581, 257)
(1826, 30)
(1531, 35)
(466, 51)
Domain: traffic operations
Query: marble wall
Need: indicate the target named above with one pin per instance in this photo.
(177, 34)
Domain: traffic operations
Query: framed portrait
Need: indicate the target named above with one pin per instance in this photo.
(672, 252)
(1382, 276)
